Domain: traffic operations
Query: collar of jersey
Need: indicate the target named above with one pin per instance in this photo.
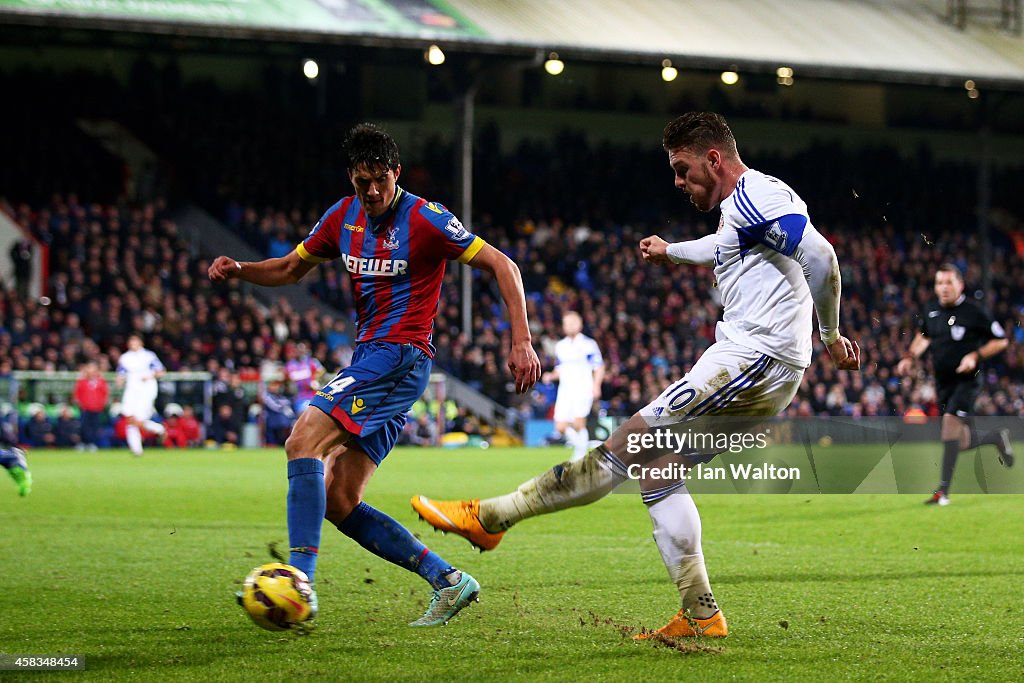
(963, 298)
(380, 221)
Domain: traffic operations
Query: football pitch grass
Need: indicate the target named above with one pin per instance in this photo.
(133, 563)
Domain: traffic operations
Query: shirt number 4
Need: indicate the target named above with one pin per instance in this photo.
(339, 384)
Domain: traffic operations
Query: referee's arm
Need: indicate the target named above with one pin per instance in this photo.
(990, 348)
(917, 349)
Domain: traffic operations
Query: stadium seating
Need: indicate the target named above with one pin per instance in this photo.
(569, 211)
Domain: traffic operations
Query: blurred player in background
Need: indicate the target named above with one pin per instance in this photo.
(960, 335)
(395, 246)
(579, 370)
(12, 458)
(770, 265)
(137, 372)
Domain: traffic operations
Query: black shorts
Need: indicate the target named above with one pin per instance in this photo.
(957, 398)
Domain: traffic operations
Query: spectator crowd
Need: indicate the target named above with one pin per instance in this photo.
(116, 270)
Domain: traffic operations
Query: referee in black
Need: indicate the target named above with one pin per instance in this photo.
(961, 334)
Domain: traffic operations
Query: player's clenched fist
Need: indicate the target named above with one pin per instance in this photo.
(224, 268)
(653, 249)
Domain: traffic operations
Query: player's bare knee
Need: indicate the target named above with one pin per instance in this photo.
(314, 435)
(340, 505)
(620, 438)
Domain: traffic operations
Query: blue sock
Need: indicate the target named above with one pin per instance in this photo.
(386, 538)
(307, 503)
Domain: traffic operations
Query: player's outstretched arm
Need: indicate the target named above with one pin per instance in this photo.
(271, 272)
(700, 252)
(522, 359)
(821, 269)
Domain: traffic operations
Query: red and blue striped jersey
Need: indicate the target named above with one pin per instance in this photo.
(396, 262)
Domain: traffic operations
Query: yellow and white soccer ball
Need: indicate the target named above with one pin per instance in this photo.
(277, 596)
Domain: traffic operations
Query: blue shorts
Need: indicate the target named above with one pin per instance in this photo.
(371, 397)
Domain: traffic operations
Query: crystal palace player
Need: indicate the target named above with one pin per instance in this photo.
(394, 246)
(771, 265)
(960, 335)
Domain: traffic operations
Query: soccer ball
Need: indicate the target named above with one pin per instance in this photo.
(277, 596)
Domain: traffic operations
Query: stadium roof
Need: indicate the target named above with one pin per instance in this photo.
(897, 40)
(907, 39)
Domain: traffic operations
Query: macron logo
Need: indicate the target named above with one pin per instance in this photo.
(375, 266)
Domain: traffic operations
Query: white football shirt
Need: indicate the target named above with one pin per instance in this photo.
(138, 367)
(576, 359)
(765, 296)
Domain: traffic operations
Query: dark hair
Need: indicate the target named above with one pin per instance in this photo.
(951, 268)
(367, 144)
(699, 131)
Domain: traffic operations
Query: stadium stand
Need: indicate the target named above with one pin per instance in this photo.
(568, 209)
(114, 271)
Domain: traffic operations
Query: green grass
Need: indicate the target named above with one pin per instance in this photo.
(132, 562)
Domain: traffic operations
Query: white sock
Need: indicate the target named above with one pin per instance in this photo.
(582, 443)
(567, 485)
(570, 436)
(134, 438)
(677, 534)
(155, 427)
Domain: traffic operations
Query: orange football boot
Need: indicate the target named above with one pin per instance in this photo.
(460, 517)
(683, 626)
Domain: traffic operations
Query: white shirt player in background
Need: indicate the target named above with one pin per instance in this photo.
(579, 369)
(137, 372)
(772, 268)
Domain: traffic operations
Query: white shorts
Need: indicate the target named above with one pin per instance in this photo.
(728, 379)
(570, 405)
(138, 404)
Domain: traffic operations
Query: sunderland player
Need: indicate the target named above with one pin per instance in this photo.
(772, 268)
(961, 335)
(137, 372)
(579, 370)
(395, 246)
